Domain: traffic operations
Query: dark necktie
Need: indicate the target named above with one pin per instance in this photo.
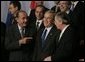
(22, 32)
(43, 37)
(37, 25)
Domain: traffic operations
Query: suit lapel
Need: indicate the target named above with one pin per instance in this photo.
(40, 40)
(50, 35)
(67, 29)
(27, 32)
(17, 32)
(41, 26)
(77, 7)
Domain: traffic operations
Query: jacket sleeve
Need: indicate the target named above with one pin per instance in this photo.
(11, 42)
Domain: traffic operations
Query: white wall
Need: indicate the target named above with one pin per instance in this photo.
(4, 10)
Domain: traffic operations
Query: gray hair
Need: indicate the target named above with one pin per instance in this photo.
(65, 18)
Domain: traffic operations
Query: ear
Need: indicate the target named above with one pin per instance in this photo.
(60, 22)
(16, 8)
(16, 19)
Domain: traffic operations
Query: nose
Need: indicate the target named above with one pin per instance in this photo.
(25, 20)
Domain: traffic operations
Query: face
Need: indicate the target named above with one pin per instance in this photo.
(58, 22)
(48, 19)
(22, 19)
(39, 13)
(12, 9)
(63, 5)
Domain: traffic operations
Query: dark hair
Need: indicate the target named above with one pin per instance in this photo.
(64, 16)
(16, 4)
(41, 6)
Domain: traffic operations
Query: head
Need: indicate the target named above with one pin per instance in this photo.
(39, 2)
(21, 18)
(39, 12)
(48, 19)
(64, 5)
(14, 6)
(61, 20)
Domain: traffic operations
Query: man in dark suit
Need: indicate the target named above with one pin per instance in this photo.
(78, 18)
(32, 15)
(18, 39)
(14, 7)
(66, 41)
(37, 24)
(56, 7)
(45, 39)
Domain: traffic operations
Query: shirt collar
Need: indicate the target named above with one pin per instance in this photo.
(65, 28)
(19, 27)
(48, 28)
(39, 21)
(75, 3)
(68, 11)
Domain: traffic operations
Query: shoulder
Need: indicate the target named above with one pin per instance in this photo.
(12, 27)
(53, 7)
(70, 31)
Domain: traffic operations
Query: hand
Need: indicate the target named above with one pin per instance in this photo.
(81, 60)
(24, 40)
(29, 39)
(48, 58)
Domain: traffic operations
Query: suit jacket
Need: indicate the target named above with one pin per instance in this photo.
(4, 52)
(34, 29)
(18, 53)
(10, 20)
(65, 47)
(78, 18)
(41, 53)
(70, 15)
(3, 28)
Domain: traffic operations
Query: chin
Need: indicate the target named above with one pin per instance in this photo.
(24, 25)
(39, 18)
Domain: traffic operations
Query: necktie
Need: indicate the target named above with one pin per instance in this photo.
(43, 37)
(22, 32)
(37, 25)
(72, 7)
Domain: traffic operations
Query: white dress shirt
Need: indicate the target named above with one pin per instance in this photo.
(20, 29)
(67, 12)
(48, 30)
(56, 9)
(63, 31)
(73, 5)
